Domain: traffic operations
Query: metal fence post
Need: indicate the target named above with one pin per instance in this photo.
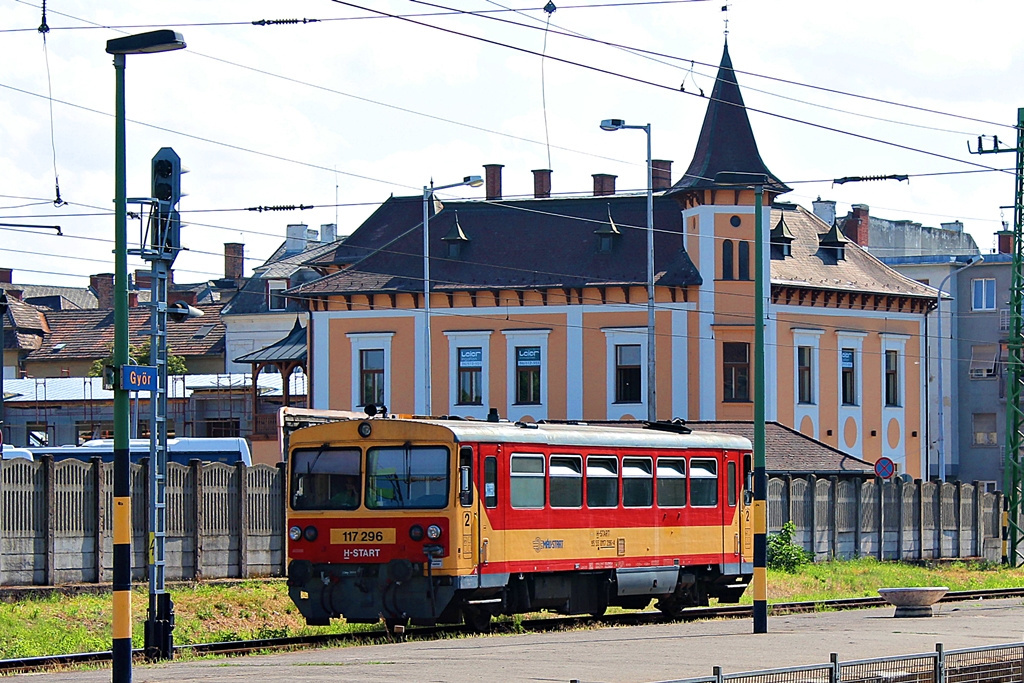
(717, 672)
(835, 673)
(940, 663)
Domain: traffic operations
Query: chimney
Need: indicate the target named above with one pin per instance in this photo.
(328, 232)
(133, 298)
(604, 183)
(144, 279)
(857, 223)
(955, 226)
(187, 296)
(542, 183)
(493, 175)
(234, 261)
(295, 238)
(5, 275)
(103, 285)
(825, 209)
(661, 174)
(1004, 240)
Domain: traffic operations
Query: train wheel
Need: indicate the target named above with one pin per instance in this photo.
(476, 619)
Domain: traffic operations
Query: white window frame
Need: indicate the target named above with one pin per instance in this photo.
(897, 343)
(616, 336)
(810, 337)
(465, 339)
(984, 282)
(274, 288)
(360, 341)
(513, 339)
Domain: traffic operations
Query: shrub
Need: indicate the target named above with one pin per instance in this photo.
(783, 553)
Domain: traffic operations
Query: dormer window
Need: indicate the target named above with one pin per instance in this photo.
(606, 234)
(455, 239)
(781, 240)
(834, 242)
(276, 300)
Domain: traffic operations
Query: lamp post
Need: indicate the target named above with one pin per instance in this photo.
(428, 192)
(975, 260)
(619, 124)
(142, 43)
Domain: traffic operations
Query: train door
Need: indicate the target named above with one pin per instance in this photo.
(468, 518)
(490, 511)
(747, 509)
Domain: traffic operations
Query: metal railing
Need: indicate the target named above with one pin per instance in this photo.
(991, 664)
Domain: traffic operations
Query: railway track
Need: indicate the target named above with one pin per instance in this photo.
(237, 648)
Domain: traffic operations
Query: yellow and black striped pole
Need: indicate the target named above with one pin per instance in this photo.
(121, 647)
(760, 474)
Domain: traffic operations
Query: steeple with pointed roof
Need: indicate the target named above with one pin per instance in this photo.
(726, 142)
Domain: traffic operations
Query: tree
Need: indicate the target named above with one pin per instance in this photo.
(140, 354)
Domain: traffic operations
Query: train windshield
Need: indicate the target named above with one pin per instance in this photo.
(325, 479)
(412, 477)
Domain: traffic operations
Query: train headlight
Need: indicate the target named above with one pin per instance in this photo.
(309, 533)
(295, 533)
(433, 532)
(364, 429)
(416, 532)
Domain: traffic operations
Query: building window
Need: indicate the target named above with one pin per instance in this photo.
(602, 481)
(984, 290)
(275, 299)
(744, 259)
(223, 427)
(566, 481)
(627, 373)
(528, 359)
(371, 377)
(736, 371)
(892, 378)
(984, 428)
(36, 434)
(727, 267)
(983, 361)
(804, 374)
(849, 376)
(471, 363)
(1004, 319)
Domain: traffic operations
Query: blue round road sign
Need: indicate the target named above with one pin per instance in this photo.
(885, 468)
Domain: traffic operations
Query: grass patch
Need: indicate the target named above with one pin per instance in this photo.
(244, 610)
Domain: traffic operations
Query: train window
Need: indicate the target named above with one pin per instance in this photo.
(325, 478)
(527, 481)
(671, 482)
(703, 482)
(565, 475)
(730, 470)
(466, 476)
(637, 483)
(491, 481)
(602, 481)
(414, 477)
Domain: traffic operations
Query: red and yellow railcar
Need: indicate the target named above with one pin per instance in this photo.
(437, 521)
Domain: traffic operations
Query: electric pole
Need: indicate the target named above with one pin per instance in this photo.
(1013, 461)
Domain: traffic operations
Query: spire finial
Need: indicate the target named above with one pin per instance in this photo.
(725, 8)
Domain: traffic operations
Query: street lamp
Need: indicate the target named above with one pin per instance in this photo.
(428, 192)
(619, 124)
(142, 43)
(975, 260)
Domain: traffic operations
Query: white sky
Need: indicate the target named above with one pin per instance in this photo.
(265, 115)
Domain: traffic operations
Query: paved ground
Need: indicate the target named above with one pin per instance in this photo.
(614, 655)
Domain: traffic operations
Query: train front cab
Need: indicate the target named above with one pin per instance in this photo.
(373, 531)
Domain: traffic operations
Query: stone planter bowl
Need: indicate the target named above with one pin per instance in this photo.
(914, 601)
